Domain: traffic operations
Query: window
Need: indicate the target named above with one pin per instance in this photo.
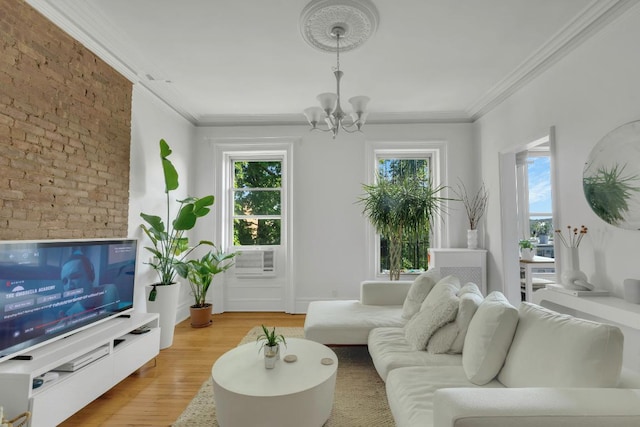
(421, 161)
(534, 199)
(257, 202)
(414, 248)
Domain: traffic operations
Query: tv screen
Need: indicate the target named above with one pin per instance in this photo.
(51, 289)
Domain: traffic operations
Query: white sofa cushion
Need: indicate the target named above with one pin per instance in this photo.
(348, 322)
(410, 392)
(441, 341)
(384, 292)
(450, 337)
(488, 338)
(550, 349)
(439, 308)
(418, 291)
(470, 299)
(389, 349)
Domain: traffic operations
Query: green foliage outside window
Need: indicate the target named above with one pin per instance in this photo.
(257, 195)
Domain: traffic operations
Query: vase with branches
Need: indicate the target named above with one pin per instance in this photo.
(475, 205)
(571, 276)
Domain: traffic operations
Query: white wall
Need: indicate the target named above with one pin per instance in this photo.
(329, 230)
(151, 121)
(593, 90)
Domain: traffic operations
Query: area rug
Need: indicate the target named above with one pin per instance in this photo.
(359, 399)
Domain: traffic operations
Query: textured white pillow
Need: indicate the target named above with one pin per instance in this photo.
(418, 291)
(439, 308)
(441, 341)
(551, 349)
(470, 300)
(488, 338)
(450, 338)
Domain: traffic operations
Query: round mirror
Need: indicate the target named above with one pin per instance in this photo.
(611, 177)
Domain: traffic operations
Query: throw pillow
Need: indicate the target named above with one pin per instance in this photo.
(450, 338)
(488, 338)
(470, 300)
(439, 308)
(418, 291)
(551, 349)
(441, 341)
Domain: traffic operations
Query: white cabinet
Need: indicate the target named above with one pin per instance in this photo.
(56, 400)
(469, 265)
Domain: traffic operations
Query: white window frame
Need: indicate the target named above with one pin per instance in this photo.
(522, 176)
(436, 151)
(277, 156)
(257, 148)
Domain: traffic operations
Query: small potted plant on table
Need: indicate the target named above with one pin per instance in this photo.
(527, 249)
(271, 345)
(542, 230)
(200, 272)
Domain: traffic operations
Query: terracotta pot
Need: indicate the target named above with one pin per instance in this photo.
(201, 316)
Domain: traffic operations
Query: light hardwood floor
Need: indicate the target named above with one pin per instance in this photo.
(157, 395)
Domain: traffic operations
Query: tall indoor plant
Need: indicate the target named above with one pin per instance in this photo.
(170, 246)
(200, 273)
(401, 208)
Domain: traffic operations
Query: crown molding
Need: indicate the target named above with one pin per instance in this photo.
(66, 15)
(58, 13)
(593, 18)
(228, 120)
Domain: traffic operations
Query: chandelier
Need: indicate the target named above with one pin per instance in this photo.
(330, 109)
(335, 25)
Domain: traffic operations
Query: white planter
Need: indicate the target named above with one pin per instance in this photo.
(527, 254)
(472, 239)
(166, 305)
(572, 277)
(632, 290)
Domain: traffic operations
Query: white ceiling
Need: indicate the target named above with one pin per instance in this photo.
(244, 61)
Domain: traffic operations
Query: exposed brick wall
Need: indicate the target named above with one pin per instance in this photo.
(65, 132)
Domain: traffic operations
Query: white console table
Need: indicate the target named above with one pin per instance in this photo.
(469, 265)
(608, 308)
(528, 267)
(55, 401)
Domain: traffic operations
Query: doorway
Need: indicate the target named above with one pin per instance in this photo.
(528, 203)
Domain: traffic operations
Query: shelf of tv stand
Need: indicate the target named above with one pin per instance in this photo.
(56, 400)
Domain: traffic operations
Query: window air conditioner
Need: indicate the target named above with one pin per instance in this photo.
(255, 263)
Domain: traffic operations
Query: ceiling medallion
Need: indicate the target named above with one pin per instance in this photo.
(358, 18)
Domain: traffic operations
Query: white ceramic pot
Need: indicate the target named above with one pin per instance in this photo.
(472, 239)
(527, 254)
(166, 304)
(632, 290)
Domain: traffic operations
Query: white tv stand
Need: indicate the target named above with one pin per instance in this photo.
(55, 401)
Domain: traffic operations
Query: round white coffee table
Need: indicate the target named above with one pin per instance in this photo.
(291, 394)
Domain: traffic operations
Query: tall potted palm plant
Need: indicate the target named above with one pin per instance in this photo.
(170, 246)
(401, 208)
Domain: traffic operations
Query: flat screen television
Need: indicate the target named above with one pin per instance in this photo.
(52, 289)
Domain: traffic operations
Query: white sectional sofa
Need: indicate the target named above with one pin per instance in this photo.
(519, 367)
